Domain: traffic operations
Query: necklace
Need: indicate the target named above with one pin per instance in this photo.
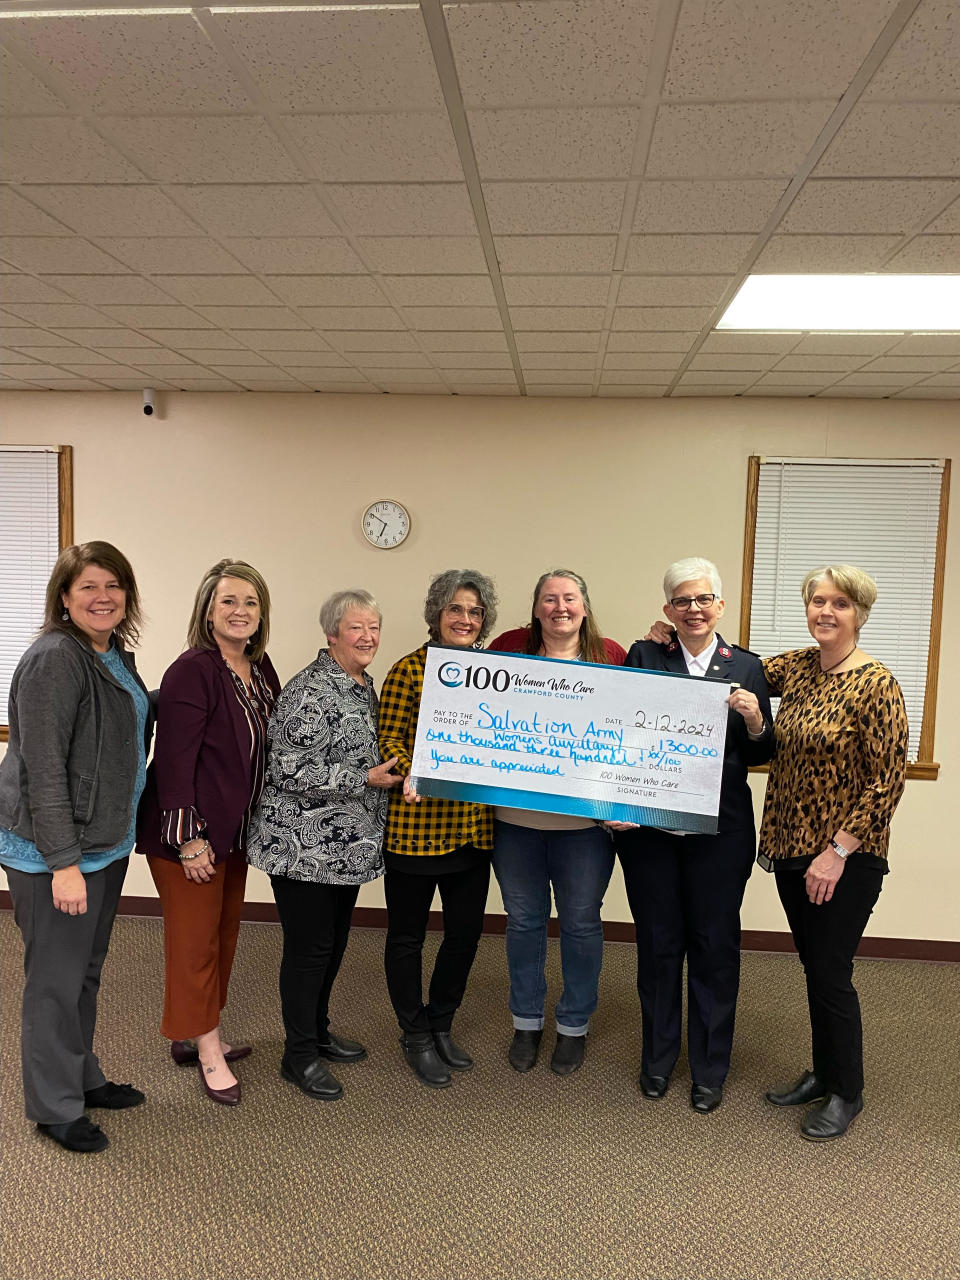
(824, 670)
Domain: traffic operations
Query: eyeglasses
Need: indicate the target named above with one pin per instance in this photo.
(474, 613)
(683, 603)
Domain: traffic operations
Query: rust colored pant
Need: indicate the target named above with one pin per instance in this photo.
(200, 927)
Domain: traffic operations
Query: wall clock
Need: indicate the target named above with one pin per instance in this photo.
(385, 523)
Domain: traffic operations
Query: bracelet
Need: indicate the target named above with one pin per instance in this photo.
(189, 857)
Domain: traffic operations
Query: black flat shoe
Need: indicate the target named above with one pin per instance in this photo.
(705, 1099)
(832, 1119)
(423, 1060)
(568, 1055)
(653, 1086)
(78, 1135)
(450, 1052)
(338, 1049)
(524, 1050)
(807, 1089)
(115, 1097)
(314, 1080)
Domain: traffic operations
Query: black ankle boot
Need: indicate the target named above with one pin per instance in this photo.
(424, 1061)
(450, 1052)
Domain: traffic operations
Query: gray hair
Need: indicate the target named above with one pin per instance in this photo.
(335, 606)
(688, 571)
(445, 586)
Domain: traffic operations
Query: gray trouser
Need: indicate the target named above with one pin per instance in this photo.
(62, 959)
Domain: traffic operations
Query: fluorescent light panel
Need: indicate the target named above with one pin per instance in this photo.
(846, 304)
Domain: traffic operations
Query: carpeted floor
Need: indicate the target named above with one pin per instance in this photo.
(502, 1175)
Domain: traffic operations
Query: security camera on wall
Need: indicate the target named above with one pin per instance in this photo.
(148, 403)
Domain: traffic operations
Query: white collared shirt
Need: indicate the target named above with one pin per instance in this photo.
(699, 664)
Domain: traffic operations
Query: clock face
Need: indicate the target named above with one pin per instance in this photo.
(385, 523)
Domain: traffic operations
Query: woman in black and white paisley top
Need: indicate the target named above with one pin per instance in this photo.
(318, 832)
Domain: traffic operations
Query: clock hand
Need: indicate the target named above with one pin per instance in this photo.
(383, 523)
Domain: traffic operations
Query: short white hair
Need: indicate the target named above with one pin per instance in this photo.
(688, 571)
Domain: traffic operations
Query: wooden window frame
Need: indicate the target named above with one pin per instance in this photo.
(64, 522)
(925, 768)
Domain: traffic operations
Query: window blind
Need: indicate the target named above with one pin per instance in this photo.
(30, 543)
(880, 515)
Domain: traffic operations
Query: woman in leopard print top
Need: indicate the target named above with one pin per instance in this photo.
(835, 781)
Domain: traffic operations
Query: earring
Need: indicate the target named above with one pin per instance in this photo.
(65, 616)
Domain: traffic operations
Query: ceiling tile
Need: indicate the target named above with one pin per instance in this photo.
(301, 360)
(422, 255)
(458, 318)
(400, 377)
(415, 389)
(514, 54)
(759, 342)
(352, 317)
(587, 208)
(47, 149)
(951, 379)
(18, 217)
(928, 393)
(30, 370)
(632, 391)
(860, 393)
(682, 340)
(151, 357)
(795, 378)
(559, 389)
(716, 206)
(257, 209)
(739, 139)
(472, 340)
(53, 355)
(208, 383)
(744, 361)
(733, 49)
(381, 209)
(132, 62)
(97, 290)
(347, 388)
(372, 340)
(56, 253)
(642, 360)
(899, 139)
(472, 360)
(15, 288)
(807, 254)
(678, 291)
(11, 336)
(256, 370)
(925, 61)
(361, 58)
(698, 390)
(157, 317)
(820, 364)
(583, 361)
(105, 339)
(690, 253)
(636, 377)
(101, 371)
(843, 344)
(21, 92)
(441, 291)
(195, 339)
(250, 317)
(576, 341)
(268, 340)
(495, 377)
(203, 148)
(327, 291)
(548, 254)
(928, 253)
(717, 378)
(909, 364)
(389, 360)
(879, 379)
(407, 147)
(472, 389)
(295, 256)
(560, 291)
(949, 220)
(113, 210)
(218, 357)
(573, 371)
(570, 142)
(152, 254)
(577, 319)
(787, 392)
(274, 384)
(230, 290)
(848, 206)
(927, 344)
(57, 313)
(660, 317)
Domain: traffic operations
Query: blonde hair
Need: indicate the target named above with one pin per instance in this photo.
(856, 584)
(70, 564)
(198, 631)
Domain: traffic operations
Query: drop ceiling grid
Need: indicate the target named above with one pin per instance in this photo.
(623, 191)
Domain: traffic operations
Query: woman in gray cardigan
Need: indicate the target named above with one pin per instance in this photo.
(80, 726)
(318, 832)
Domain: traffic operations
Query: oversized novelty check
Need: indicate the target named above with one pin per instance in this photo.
(614, 743)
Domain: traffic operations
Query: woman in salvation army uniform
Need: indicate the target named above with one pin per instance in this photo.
(685, 890)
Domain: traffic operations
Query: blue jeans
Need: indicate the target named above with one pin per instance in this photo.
(578, 864)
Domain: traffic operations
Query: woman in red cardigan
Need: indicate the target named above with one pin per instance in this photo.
(206, 778)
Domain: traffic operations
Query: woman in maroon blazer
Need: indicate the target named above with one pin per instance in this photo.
(206, 778)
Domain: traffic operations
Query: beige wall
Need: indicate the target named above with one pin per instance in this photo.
(613, 488)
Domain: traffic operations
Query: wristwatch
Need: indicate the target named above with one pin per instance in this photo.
(840, 851)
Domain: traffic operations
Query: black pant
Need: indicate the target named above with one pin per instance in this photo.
(316, 924)
(827, 937)
(685, 894)
(463, 895)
